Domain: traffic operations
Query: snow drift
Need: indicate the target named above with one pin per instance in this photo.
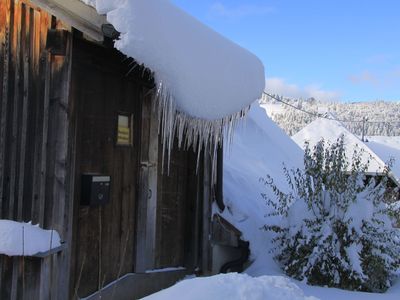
(259, 147)
(25, 239)
(233, 287)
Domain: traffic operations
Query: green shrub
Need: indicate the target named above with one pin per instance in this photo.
(336, 230)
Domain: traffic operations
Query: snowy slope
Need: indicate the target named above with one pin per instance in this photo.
(259, 148)
(330, 131)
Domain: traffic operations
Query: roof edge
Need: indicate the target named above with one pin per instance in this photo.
(77, 14)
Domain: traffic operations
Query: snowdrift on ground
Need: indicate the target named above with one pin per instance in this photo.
(17, 239)
(233, 287)
(259, 147)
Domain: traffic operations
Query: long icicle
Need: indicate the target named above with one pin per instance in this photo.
(201, 134)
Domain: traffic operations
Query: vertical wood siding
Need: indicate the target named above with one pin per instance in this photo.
(51, 133)
(34, 152)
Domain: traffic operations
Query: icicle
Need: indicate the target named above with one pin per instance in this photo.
(203, 135)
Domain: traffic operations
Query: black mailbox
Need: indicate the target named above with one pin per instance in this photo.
(95, 189)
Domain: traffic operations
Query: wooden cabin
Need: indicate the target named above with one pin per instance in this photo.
(80, 153)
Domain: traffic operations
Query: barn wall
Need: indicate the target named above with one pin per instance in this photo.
(33, 144)
(44, 103)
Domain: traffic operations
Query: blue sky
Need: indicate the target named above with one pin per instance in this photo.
(331, 49)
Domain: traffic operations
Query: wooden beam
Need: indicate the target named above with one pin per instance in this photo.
(147, 213)
(206, 256)
(77, 14)
(151, 230)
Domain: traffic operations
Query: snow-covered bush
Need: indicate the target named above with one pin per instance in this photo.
(336, 229)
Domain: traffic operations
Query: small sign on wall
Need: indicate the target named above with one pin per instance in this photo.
(124, 134)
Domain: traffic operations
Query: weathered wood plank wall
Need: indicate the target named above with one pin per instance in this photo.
(34, 95)
(178, 231)
(104, 237)
(56, 125)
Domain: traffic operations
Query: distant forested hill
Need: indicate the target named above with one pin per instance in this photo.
(382, 118)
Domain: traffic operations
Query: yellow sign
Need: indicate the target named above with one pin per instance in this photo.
(124, 130)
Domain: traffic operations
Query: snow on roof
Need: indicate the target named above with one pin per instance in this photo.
(17, 239)
(330, 130)
(259, 148)
(204, 80)
(387, 148)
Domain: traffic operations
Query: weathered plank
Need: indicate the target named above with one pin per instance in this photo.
(63, 207)
(152, 185)
(41, 124)
(14, 92)
(23, 121)
(206, 247)
(5, 17)
(142, 256)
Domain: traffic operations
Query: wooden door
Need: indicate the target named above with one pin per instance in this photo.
(104, 236)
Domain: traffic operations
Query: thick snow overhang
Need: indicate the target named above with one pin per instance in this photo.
(207, 75)
(204, 81)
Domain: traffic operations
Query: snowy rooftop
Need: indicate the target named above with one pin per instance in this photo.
(331, 130)
(387, 148)
(207, 75)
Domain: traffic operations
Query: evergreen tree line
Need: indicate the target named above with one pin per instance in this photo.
(383, 118)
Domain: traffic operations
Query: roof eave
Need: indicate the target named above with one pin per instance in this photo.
(77, 14)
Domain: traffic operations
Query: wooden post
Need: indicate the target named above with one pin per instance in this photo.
(206, 214)
(147, 207)
(151, 225)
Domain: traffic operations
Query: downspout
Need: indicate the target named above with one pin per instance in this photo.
(237, 264)
(220, 177)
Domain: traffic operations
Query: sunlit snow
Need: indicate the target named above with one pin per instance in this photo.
(17, 239)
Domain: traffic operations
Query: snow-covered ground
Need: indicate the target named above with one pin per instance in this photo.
(244, 287)
(17, 239)
(233, 287)
(259, 148)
